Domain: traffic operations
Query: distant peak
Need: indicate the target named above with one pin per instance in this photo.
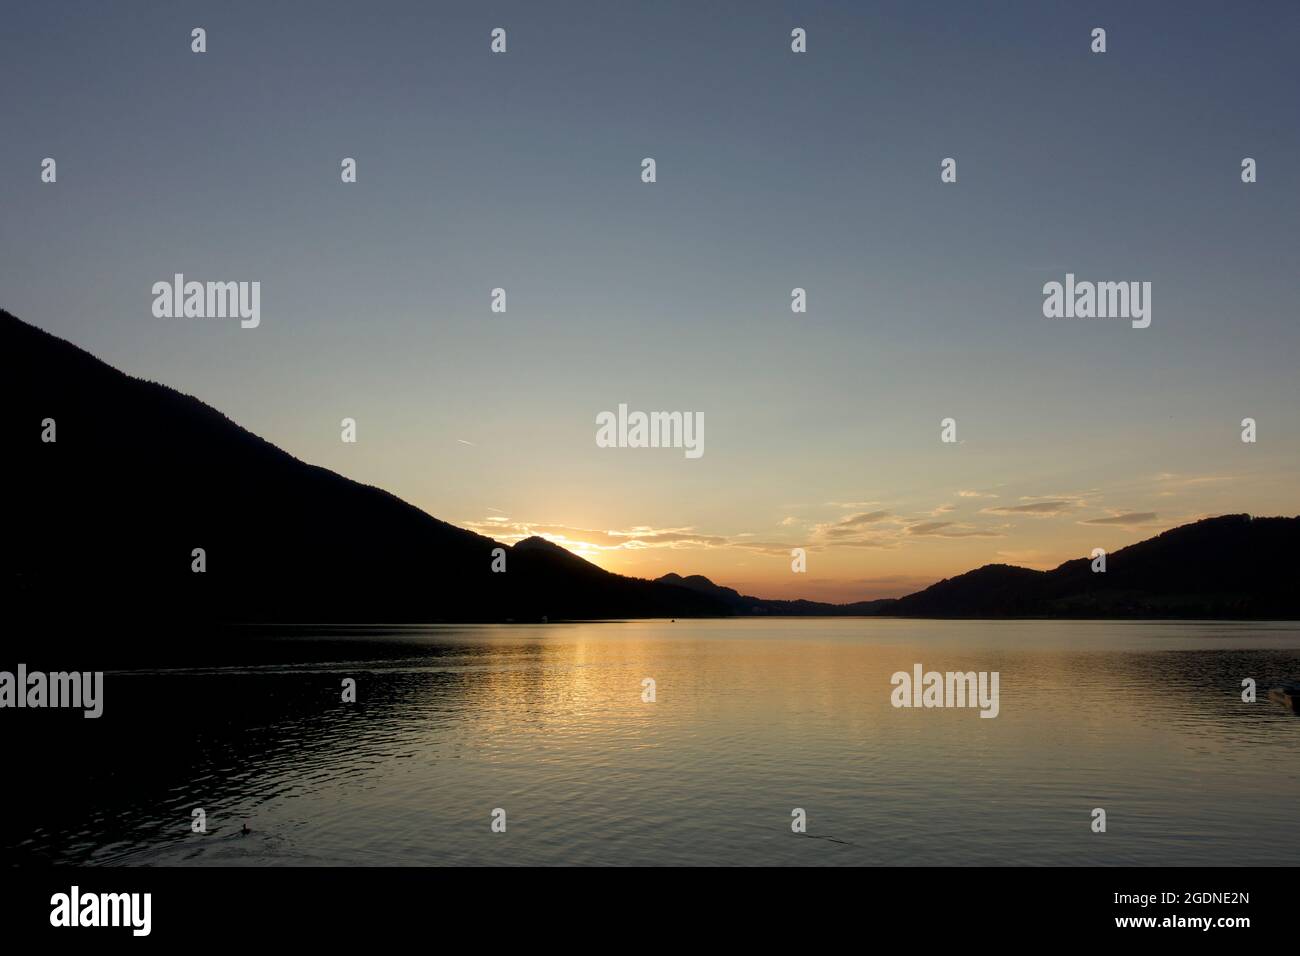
(538, 543)
(697, 580)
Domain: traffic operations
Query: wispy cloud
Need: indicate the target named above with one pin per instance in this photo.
(1034, 509)
(858, 520)
(590, 540)
(1127, 520)
(1169, 484)
(951, 529)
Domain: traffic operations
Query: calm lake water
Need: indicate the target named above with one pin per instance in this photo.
(751, 719)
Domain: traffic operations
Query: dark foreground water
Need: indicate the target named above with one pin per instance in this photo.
(751, 720)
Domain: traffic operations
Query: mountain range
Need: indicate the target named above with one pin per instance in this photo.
(105, 519)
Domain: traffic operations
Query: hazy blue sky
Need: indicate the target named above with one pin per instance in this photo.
(775, 170)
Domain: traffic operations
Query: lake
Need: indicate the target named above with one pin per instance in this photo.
(750, 720)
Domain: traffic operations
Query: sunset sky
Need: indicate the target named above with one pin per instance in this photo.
(775, 170)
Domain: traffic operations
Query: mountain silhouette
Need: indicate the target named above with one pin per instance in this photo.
(1233, 566)
(745, 604)
(106, 518)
